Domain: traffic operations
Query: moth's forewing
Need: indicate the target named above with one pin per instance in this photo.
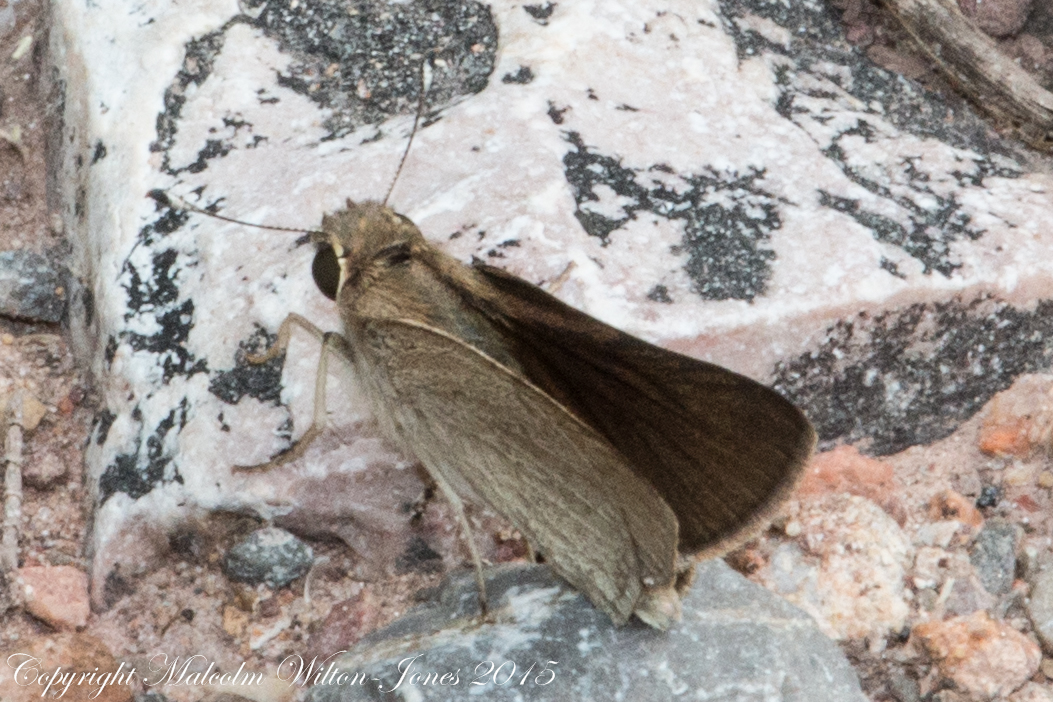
(473, 420)
(722, 450)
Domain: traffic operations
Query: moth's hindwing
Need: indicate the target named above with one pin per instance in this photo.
(722, 450)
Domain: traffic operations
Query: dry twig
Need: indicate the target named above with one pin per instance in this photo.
(12, 483)
(972, 61)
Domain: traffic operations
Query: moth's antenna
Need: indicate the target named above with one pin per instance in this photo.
(175, 201)
(425, 80)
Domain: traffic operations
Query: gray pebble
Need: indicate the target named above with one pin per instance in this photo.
(902, 687)
(31, 288)
(269, 555)
(149, 696)
(993, 554)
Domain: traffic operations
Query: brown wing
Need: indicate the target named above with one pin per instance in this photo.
(722, 450)
(600, 526)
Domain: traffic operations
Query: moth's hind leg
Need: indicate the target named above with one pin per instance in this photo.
(466, 534)
(331, 343)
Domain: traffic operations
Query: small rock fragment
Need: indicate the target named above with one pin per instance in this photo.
(33, 410)
(950, 505)
(346, 623)
(44, 471)
(1032, 692)
(225, 697)
(57, 595)
(28, 285)
(1006, 439)
(844, 469)
(952, 575)
(850, 574)
(65, 406)
(1040, 607)
(940, 533)
(993, 554)
(907, 63)
(1019, 474)
(269, 555)
(1020, 419)
(262, 632)
(967, 482)
(1029, 51)
(989, 497)
(997, 18)
(902, 687)
(234, 621)
(1045, 479)
(983, 657)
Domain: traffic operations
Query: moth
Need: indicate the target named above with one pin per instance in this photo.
(621, 462)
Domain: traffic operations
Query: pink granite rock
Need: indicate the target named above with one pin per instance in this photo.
(844, 469)
(58, 595)
(983, 657)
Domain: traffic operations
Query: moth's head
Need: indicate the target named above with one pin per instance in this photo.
(357, 244)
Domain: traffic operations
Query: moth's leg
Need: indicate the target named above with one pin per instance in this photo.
(531, 553)
(466, 534)
(331, 343)
(283, 338)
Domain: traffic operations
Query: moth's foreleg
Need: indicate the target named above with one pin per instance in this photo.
(284, 331)
(331, 343)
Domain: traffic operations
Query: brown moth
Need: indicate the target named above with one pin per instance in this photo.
(618, 460)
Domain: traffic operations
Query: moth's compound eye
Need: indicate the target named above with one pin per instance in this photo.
(326, 271)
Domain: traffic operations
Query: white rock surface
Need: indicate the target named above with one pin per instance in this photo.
(728, 179)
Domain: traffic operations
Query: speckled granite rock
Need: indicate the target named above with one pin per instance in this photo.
(737, 642)
(728, 178)
(993, 554)
(268, 555)
(32, 288)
